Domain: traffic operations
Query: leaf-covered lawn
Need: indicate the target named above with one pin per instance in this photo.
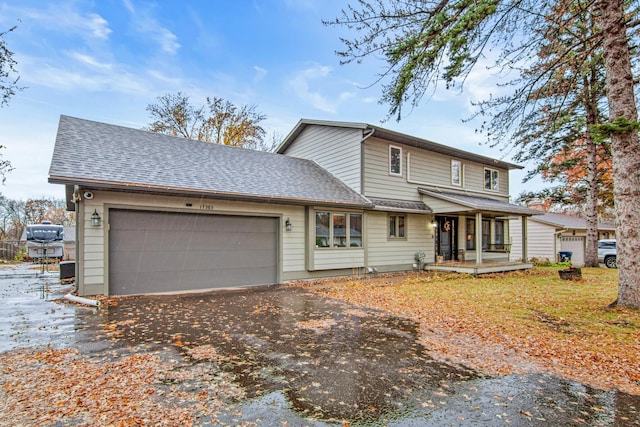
(527, 321)
(63, 387)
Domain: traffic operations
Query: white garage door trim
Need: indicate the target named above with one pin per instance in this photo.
(159, 252)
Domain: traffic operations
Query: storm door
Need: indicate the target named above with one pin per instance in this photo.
(446, 238)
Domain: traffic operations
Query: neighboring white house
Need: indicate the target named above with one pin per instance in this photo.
(157, 213)
(552, 233)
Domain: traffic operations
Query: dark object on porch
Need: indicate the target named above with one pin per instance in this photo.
(67, 271)
(565, 256)
(571, 273)
(461, 255)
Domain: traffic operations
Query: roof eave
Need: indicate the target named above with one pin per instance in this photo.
(507, 209)
(167, 190)
(426, 144)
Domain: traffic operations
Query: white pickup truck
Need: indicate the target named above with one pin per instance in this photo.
(607, 252)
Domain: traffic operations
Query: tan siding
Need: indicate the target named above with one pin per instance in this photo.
(335, 149)
(331, 259)
(401, 253)
(377, 180)
(422, 168)
(540, 238)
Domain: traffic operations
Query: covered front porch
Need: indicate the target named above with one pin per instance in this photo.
(471, 233)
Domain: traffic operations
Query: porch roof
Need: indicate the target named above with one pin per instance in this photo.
(399, 205)
(475, 203)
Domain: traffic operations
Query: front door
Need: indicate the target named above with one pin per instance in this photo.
(446, 238)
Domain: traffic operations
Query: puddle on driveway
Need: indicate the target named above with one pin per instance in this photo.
(307, 360)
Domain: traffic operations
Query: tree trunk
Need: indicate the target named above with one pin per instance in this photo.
(590, 95)
(591, 205)
(625, 149)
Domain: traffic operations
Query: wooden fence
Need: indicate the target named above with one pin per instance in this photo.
(9, 249)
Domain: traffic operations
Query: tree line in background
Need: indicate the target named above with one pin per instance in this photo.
(15, 215)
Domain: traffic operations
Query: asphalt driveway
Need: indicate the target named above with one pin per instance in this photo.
(300, 359)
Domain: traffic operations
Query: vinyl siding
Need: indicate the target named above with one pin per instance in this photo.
(540, 238)
(398, 254)
(93, 242)
(335, 149)
(332, 259)
(422, 168)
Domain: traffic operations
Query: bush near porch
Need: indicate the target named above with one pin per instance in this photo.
(527, 321)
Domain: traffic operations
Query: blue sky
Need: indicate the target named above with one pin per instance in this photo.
(106, 60)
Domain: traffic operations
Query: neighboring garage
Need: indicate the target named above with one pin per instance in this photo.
(151, 251)
(575, 245)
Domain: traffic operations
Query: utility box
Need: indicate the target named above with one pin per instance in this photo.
(67, 271)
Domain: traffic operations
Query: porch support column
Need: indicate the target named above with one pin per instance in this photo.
(525, 242)
(479, 238)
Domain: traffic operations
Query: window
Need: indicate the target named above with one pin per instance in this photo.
(397, 226)
(395, 160)
(456, 172)
(498, 234)
(471, 234)
(322, 229)
(486, 234)
(491, 179)
(355, 230)
(338, 230)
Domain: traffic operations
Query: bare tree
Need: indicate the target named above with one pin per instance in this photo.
(218, 121)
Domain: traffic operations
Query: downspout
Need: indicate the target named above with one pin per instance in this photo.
(362, 162)
(365, 216)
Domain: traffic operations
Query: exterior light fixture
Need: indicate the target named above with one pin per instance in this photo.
(95, 218)
(287, 225)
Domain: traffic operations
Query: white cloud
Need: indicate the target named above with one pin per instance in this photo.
(146, 24)
(301, 87)
(90, 61)
(260, 73)
(65, 18)
(98, 26)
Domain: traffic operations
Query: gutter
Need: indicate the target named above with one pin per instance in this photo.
(180, 191)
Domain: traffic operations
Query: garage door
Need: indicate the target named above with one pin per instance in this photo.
(167, 252)
(575, 245)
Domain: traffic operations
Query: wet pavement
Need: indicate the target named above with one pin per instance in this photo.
(302, 359)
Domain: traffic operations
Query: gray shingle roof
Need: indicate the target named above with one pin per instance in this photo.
(101, 155)
(481, 203)
(568, 221)
(399, 205)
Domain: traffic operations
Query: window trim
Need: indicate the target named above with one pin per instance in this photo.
(494, 184)
(397, 226)
(395, 147)
(331, 238)
(460, 169)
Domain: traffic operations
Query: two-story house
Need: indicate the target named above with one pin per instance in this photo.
(157, 213)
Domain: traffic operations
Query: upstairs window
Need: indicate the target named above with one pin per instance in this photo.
(456, 172)
(491, 182)
(395, 160)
